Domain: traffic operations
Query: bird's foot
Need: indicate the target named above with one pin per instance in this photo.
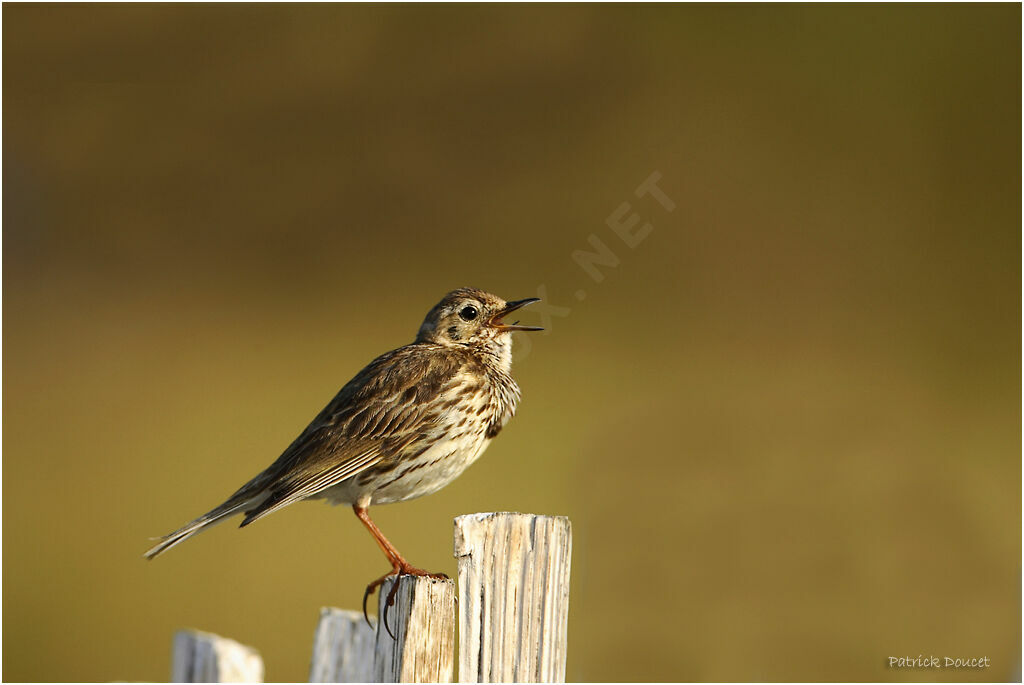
(400, 569)
(407, 570)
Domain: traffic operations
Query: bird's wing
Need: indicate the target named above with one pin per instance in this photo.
(379, 415)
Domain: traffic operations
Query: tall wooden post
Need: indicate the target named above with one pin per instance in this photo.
(514, 597)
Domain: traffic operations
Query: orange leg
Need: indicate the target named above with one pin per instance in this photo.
(399, 566)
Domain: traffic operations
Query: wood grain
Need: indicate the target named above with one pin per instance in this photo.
(200, 657)
(343, 648)
(422, 620)
(514, 597)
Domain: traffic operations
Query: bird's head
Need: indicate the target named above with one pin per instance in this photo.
(472, 317)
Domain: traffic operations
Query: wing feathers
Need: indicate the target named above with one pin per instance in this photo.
(386, 412)
(381, 414)
(306, 488)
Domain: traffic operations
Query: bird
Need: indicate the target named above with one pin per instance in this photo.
(405, 426)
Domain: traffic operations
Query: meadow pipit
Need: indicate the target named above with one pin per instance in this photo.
(406, 425)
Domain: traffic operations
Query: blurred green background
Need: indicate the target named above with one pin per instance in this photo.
(786, 426)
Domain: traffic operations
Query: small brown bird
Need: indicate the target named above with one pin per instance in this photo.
(406, 425)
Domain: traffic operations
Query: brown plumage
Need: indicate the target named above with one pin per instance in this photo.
(406, 425)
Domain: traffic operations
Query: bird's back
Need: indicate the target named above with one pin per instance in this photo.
(405, 426)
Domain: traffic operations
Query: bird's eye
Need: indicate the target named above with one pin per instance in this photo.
(468, 313)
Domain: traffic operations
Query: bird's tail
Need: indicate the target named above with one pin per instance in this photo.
(233, 506)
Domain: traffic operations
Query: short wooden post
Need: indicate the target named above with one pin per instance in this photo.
(343, 648)
(514, 597)
(207, 658)
(422, 620)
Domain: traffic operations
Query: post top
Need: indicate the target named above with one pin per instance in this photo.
(472, 530)
(484, 515)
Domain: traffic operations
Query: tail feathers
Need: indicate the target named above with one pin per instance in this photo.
(226, 510)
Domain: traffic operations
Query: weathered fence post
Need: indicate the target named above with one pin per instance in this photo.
(513, 618)
(514, 597)
(343, 648)
(422, 621)
(207, 658)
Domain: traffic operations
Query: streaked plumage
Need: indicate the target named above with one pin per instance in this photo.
(406, 425)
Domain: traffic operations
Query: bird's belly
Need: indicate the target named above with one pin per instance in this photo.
(430, 471)
(412, 477)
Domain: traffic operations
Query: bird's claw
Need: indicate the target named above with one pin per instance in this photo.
(388, 604)
(389, 601)
(369, 591)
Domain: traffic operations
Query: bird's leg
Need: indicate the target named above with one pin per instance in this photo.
(399, 566)
(385, 545)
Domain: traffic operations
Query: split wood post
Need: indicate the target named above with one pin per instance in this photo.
(343, 648)
(207, 658)
(422, 620)
(514, 597)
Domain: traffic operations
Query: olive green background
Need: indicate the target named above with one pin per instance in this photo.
(786, 425)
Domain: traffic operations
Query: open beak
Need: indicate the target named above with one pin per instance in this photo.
(496, 320)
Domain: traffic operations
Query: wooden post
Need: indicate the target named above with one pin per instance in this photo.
(207, 658)
(514, 597)
(343, 648)
(422, 620)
